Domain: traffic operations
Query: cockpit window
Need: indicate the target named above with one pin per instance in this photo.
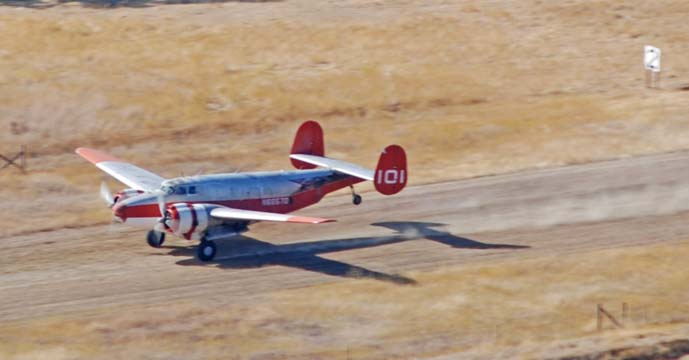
(178, 190)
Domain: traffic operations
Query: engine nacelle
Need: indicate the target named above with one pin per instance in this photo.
(188, 220)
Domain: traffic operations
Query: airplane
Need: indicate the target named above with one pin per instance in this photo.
(213, 207)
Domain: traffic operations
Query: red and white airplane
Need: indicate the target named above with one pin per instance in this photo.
(211, 207)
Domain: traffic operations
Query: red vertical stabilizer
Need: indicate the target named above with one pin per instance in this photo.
(308, 141)
(391, 173)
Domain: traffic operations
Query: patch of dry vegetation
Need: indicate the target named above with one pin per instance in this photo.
(468, 88)
(534, 308)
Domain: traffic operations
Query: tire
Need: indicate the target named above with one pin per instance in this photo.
(206, 251)
(155, 239)
(356, 199)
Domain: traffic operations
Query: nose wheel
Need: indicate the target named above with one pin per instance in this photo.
(356, 198)
(155, 239)
(206, 250)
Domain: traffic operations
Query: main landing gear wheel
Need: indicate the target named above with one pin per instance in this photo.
(206, 250)
(155, 238)
(356, 198)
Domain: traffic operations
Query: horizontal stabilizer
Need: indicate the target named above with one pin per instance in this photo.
(337, 165)
(237, 214)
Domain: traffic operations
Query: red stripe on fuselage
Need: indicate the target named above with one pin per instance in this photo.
(139, 211)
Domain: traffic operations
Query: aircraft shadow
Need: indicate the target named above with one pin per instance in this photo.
(247, 252)
(39, 4)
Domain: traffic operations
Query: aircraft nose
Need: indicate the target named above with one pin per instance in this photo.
(119, 210)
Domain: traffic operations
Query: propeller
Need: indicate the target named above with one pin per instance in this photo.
(162, 224)
(112, 227)
(106, 195)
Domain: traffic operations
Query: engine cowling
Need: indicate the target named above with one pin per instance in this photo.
(188, 220)
(125, 194)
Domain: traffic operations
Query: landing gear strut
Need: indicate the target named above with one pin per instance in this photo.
(356, 198)
(155, 238)
(206, 250)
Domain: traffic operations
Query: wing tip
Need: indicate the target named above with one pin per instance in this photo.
(309, 220)
(95, 156)
(81, 151)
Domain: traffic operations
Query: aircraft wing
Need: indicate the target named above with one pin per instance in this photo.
(130, 175)
(237, 214)
(337, 165)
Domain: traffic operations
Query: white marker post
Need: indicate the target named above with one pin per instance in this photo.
(652, 65)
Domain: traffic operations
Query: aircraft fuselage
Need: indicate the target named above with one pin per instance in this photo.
(273, 191)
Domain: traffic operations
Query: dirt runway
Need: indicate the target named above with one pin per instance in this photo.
(536, 213)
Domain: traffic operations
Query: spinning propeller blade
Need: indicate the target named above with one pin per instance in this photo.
(162, 225)
(161, 202)
(106, 195)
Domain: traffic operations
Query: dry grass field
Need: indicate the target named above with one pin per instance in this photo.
(531, 308)
(469, 88)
